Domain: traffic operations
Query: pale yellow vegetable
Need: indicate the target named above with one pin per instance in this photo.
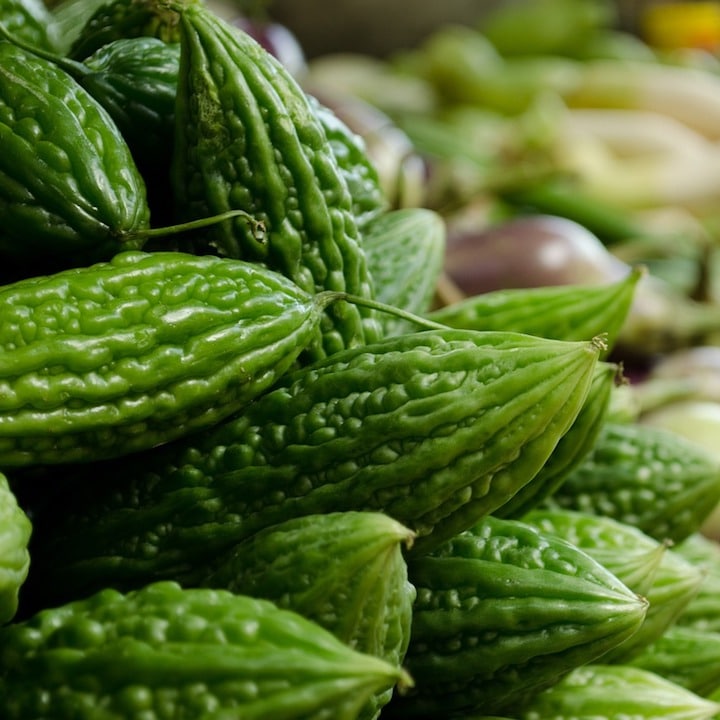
(639, 158)
(689, 95)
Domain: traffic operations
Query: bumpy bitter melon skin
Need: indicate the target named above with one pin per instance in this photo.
(119, 19)
(405, 250)
(504, 611)
(135, 79)
(70, 190)
(687, 656)
(368, 197)
(247, 138)
(345, 571)
(614, 691)
(675, 583)
(29, 20)
(648, 477)
(703, 611)
(168, 653)
(630, 554)
(572, 448)
(435, 429)
(647, 566)
(15, 531)
(121, 356)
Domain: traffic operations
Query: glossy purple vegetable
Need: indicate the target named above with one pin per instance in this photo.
(528, 251)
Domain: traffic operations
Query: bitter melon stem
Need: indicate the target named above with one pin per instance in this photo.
(327, 297)
(258, 227)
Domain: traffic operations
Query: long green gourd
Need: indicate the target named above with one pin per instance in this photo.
(618, 691)
(69, 186)
(686, 656)
(135, 79)
(504, 611)
(648, 477)
(434, 428)
(247, 138)
(703, 611)
(166, 653)
(563, 312)
(15, 531)
(345, 571)
(121, 356)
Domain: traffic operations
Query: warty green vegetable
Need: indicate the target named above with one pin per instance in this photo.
(70, 191)
(615, 691)
(368, 197)
(630, 554)
(15, 531)
(648, 567)
(118, 19)
(405, 251)
(648, 477)
(563, 312)
(504, 611)
(572, 448)
(167, 653)
(30, 20)
(675, 583)
(687, 656)
(135, 80)
(345, 571)
(117, 357)
(247, 137)
(434, 428)
(703, 611)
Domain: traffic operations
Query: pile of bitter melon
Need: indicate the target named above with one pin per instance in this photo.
(250, 471)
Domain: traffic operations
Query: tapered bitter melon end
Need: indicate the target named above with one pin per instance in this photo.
(405, 682)
(600, 343)
(409, 540)
(401, 532)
